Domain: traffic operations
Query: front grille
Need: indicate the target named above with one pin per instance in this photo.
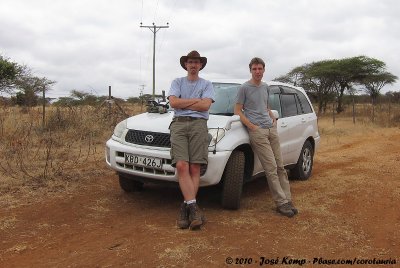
(153, 138)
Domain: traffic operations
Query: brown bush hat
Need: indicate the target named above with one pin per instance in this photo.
(193, 55)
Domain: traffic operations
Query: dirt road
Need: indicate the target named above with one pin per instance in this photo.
(348, 209)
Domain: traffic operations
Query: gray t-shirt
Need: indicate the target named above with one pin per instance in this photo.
(185, 89)
(255, 102)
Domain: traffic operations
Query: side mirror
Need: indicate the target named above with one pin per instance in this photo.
(234, 118)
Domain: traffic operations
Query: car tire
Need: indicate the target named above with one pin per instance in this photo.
(303, 168)
(130, 185)
(233, 181)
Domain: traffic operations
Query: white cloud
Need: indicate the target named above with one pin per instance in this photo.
(89, 45)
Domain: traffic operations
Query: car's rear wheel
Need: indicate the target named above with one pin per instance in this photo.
(233, 181)
(303, 168)
(129, 185)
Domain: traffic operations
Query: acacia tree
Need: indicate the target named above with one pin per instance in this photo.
(324, 79)
(315, 79)
(373, 85)
(9, 72)
(18, 78)
(294, 77)
(347, 72)
(320, 82)
(344, 72)
(29, 87)
(375, 82)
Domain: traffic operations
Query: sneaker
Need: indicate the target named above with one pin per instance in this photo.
(295, 210)
(195, 217)
(285, 210)
(183, 217)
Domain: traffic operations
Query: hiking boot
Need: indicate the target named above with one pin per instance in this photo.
(285, 210)
(183, 217)
(295, 210)
(195, 217)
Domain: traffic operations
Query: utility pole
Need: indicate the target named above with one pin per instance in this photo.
(44, 108)
(109, 101)
(154, 28)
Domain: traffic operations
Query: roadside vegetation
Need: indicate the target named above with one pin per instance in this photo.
(43, 140)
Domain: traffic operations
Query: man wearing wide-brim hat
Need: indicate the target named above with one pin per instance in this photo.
(191, 97)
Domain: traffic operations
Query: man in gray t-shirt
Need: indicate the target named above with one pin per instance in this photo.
(191, 97)
(256, 100)
(252, 107)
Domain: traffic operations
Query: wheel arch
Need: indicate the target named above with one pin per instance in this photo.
(312, 141)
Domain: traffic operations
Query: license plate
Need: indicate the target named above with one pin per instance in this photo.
(144, 161)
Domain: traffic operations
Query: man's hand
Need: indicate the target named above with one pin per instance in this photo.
(252, 127)
(272, 117)
(243, 118)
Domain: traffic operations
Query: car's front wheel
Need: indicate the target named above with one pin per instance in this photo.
(303, 168)
(129, 185)
(233, 181)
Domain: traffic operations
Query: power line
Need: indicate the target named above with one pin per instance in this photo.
(169, 19)
(154, 29)
(141, 15)
(155, 12)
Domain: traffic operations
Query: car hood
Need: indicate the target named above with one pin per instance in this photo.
(156, 122)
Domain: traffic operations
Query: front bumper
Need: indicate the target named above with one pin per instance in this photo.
(115, 158)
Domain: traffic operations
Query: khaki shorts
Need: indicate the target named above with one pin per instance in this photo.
(189, 140)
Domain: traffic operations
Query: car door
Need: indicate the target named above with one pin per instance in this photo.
(289, 126)
(275, 103)
(297, 117)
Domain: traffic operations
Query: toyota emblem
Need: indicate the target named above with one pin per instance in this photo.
(149, 138)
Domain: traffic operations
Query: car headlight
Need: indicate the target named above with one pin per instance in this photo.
(120, 128)
(215, 135)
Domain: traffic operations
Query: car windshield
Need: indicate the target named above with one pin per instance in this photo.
(225, 96)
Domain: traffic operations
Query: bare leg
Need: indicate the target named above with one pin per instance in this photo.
(185, 180)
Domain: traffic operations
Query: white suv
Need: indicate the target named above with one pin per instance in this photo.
(139, 149)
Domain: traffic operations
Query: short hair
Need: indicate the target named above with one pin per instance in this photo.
(256, 60)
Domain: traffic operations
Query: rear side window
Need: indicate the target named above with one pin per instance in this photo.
(288, 101)
(289, 105)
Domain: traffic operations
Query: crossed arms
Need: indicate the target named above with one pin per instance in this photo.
(200, 105)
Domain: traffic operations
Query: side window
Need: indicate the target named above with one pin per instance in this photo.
(274, 103)
(289, 105)
(304, 103)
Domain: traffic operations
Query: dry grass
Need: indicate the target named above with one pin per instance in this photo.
(33, 155)
(382, 115)
(38, 162)
(346, 209)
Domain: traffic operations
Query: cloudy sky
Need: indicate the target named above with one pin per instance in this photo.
(89, 45)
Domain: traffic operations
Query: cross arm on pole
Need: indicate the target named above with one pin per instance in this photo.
(154, 29)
